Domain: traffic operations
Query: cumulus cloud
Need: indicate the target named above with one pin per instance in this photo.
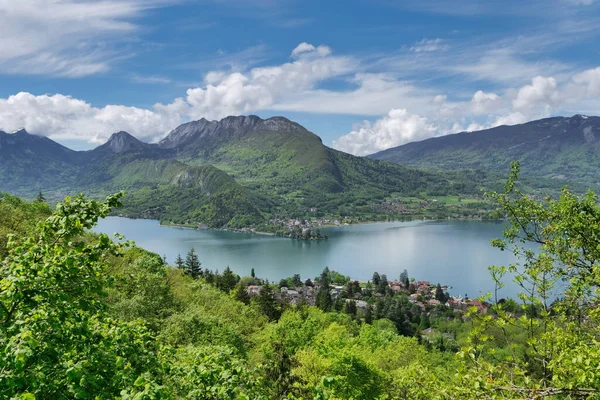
(541, 95)
(64, 117)
(261, 88)
(484, 102)
(223, 94)
(309, 48)
(396, 128)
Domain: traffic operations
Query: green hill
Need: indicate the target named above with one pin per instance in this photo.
(566, 150)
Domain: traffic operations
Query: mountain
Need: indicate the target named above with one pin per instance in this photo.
(559, 148)
(237, 171)
(29, 163)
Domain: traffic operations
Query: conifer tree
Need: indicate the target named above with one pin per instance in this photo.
(179, 263)
(193, 266)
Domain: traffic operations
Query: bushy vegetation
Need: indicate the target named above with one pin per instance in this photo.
(82, 316)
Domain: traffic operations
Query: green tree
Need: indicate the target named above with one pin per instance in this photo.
(376, 279)
(56, 338)
(267, 303)
(562, 335)
(179, 263)
(404, 278)
(350, 307)
(439, 293)
(193, 266)
(296, 280)
(323, 300)
(369, 314)
(252, 273)
(240, 293)
(227, 281)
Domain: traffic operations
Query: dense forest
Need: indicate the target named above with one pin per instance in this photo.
(86, 316)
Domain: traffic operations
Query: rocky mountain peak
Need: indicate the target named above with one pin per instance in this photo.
(121, 142)
(227, 128)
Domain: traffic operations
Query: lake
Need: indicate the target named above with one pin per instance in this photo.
(456, 253)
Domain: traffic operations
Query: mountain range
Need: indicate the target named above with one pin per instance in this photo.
(563, 149)
(235, 172)
(243, 171)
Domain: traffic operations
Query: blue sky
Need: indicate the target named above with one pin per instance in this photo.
(364, 75)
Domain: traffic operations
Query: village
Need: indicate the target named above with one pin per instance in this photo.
(421, 294)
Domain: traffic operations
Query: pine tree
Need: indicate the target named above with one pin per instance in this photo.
(227, 281)
(376, 279)
(240, 293)
(252, 274)
(350, 307)
(323, 300)
(267, 303)
(368, 314)
(192, 264)
(439, 293)
(179, 263)
(404, 279)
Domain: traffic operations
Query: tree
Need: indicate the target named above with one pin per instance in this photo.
(40, 197)
(350, 307)
(227, 281)
(376, 279)
(240, 293)
(57, 338)
(404, 279)
(252, 274)
(267, 303)
(383, 284)
(283, 283)
(439, 294)
(369, 314)
(192, 264)
(296, 280)
(323, 300)
(179, 263)
(561, 335)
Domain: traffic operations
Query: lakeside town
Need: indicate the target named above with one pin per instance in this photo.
(422, 294)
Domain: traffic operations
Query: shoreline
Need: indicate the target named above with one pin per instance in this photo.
(416, 219)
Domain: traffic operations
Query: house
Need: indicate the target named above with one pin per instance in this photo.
(254, 290)
(482, 307)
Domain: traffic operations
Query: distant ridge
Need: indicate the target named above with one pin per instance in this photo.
(562, 148)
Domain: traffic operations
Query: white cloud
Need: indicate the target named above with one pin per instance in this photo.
(396, 128)
(539, 97)
(65, 38)
(428, 45)
(417, 112)
(484, 102)
(64, 117)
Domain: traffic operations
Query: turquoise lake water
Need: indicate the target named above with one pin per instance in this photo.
(456, 253)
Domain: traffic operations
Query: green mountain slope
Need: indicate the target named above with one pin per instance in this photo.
(235, 172)
(29, 163)
(288, 166)
(563, 149)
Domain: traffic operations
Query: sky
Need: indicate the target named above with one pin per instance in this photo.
(365, 75)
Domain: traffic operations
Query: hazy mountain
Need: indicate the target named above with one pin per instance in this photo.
(29, 163)
(565, 149)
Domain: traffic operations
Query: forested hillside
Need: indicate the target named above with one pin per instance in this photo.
(562, 149)
(82, 316)
(264, 172)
